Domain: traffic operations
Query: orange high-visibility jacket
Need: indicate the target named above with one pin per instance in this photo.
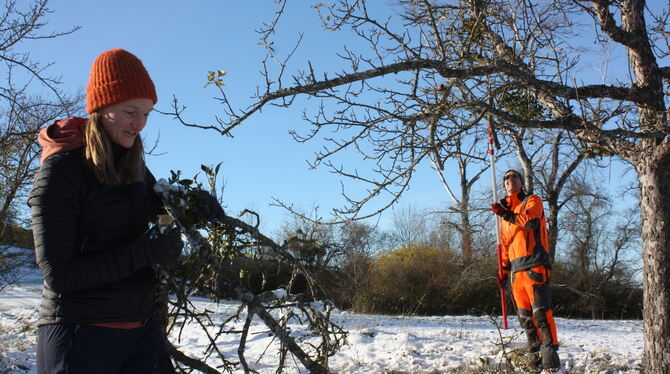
(524, 233)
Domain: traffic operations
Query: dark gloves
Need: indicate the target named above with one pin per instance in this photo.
(157, 246)
(498, 209)
(503, 212)
(502, 279)
(207, 207)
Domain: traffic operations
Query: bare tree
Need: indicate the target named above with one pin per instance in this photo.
(550, 159)
(24, 107)
(363, 238)
(361, 243)
(19, 151)
(227, 238)
(410, 226)
(20, 24)
(19, 155)
(553, 175)
(466, 156)
(29, 99)
(383, 105)
(316, 244)
(599, 242)
(547, 156)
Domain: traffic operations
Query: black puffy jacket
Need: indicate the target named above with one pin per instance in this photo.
(82, 231)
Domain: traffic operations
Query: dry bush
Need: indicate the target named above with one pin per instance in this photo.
(589, 294)
(411, 280)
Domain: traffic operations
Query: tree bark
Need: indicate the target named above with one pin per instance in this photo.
(552, 223)
(466, 237)
(655, 211)
(466, 228)
(281, 333)
(653, 169)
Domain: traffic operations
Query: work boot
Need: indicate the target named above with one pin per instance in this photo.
(535, 359)
(550, 356)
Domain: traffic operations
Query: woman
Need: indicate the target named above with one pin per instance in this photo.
(92, 204)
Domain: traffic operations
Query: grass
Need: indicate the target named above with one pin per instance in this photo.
(12, 341)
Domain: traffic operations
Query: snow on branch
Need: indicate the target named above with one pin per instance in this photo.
(200, 272)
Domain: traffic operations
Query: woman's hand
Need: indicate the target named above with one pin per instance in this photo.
(157, 246)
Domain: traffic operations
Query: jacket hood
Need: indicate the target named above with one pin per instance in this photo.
(62, 136)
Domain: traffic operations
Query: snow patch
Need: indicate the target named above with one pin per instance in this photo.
(375, 343)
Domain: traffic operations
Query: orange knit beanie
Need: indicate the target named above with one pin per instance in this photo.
(116, 76)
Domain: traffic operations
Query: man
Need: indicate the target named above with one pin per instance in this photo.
(525, 253)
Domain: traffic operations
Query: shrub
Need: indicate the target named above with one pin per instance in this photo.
(591, 294)
(17, 237)
(421, 280)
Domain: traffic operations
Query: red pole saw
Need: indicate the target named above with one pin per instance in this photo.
(503, 301)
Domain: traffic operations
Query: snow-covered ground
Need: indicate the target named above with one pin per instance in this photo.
(375, 344)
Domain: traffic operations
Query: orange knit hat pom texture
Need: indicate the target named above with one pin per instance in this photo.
(117, 75)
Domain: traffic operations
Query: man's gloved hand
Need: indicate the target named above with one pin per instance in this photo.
(498, 209)
(503, 212)
(207, 207)
(157, 246)
(502, 279)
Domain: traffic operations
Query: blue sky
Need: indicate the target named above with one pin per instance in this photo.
(179, 44)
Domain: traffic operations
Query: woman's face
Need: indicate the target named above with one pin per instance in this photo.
(123, 121)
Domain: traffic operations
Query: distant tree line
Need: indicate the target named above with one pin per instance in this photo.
(417, 267)
(431, 77)
(435, 262)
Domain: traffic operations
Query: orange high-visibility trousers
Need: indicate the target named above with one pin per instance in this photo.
(532, 296)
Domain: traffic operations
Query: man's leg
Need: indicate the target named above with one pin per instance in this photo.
(543, 316)
(523, 305)
(549, 348)
(526, 320)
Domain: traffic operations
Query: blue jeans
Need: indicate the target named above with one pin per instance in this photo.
(85, 349)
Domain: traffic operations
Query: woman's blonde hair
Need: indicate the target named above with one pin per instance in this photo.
(99, 154)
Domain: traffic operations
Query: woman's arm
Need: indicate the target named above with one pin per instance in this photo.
(55, 203)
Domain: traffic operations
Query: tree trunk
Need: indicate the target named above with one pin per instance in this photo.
(552, 225)
(466, 237)
(653, 167)
(466, 228)
(655, 210)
